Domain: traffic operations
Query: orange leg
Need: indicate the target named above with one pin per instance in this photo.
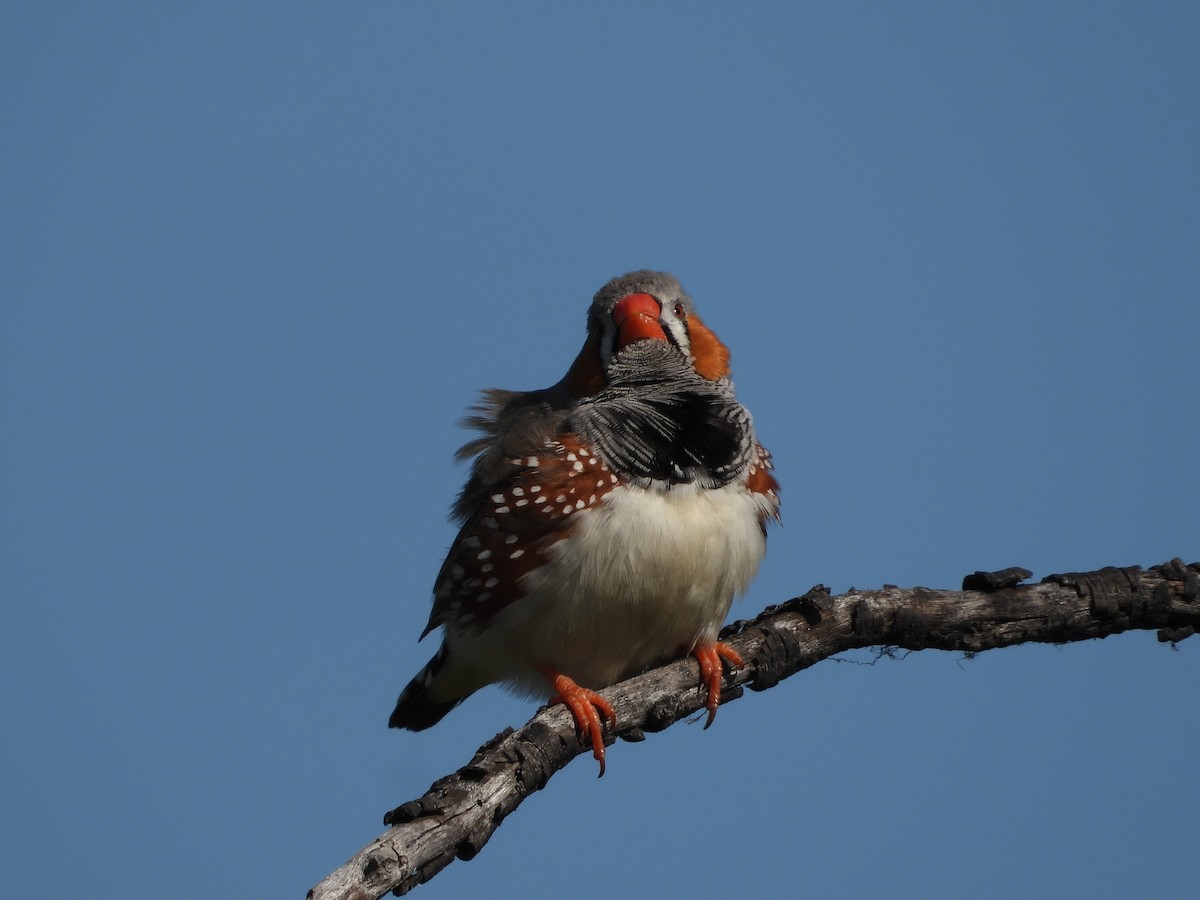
(587, 707)
(710, 656)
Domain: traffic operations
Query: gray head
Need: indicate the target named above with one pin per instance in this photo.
(647, 305)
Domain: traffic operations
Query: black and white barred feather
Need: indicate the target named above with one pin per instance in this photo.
(660, 422)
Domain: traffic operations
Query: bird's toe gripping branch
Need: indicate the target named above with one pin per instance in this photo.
(586, 707)
(590, 710)
(710, 657)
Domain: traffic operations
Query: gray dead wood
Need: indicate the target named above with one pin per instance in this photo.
(458, 814)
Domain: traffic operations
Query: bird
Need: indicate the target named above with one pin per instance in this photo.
(607, 523)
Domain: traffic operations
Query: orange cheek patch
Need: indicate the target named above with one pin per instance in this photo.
(712, 357)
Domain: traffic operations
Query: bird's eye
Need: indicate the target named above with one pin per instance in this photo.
(678, 310)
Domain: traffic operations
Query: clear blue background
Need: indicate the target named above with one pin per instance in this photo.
(257, 258)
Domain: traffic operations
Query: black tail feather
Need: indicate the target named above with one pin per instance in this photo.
(415, 710)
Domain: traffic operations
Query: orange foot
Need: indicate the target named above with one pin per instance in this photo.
(709, 656)
(587, 707)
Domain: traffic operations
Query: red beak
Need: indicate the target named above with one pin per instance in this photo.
(636, 318)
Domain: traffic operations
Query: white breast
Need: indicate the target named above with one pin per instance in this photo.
(645, 576)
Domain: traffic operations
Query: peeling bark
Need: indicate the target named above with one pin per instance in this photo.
(459, 813)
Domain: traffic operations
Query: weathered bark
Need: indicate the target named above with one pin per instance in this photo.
(458, 814)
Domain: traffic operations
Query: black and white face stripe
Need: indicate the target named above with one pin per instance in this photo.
(674, 322)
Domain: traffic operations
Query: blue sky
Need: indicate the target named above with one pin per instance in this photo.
(257, 258)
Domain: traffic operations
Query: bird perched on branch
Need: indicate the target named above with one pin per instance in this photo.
(608, 521)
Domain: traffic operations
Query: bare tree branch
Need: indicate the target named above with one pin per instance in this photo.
(459, 813)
